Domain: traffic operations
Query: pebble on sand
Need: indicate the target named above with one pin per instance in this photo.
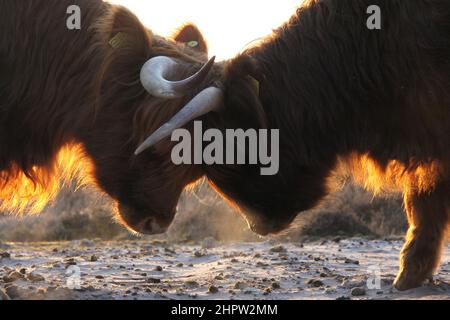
(153, 280)
(278, 249)
(358, 292)
(316, 283)
(198, 254)
(213, 289)
(351, 261)
(275, 285)
(239, 285)
(5, 255)
(192, 283)
(12, 276)
(35, 277)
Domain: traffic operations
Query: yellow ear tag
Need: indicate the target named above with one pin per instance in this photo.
(255, 84)
(192, 44)
(117, 40)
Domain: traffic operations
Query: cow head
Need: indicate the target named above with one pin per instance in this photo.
(144, 80)
(269, 203)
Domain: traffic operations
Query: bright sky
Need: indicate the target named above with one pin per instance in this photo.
(228, 25)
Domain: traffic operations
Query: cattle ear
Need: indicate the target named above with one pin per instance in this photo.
(122, 29)
(190, 35)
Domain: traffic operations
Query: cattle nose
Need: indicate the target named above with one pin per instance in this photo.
(264, 227)
(150, 226)
(262, 230)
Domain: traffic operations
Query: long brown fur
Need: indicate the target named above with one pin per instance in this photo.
(372, 103)
(72, 105)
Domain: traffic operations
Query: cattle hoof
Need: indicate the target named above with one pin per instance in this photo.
(406, 282)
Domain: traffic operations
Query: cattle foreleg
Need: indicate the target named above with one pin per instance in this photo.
(428, 216)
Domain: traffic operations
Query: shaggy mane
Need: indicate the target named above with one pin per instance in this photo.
(31, 190)
(32, 173)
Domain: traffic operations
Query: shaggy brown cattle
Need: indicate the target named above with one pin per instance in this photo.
(372, 102)
(375, 103)
(71, 102)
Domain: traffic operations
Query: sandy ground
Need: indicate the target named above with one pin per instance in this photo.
(157, 270)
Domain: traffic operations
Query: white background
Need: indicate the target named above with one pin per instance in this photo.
(228, 25)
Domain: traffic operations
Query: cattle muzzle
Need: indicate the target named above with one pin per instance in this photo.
(151, 226)
(264, 226)
(145, 224)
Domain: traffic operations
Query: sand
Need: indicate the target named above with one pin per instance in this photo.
(357, 269)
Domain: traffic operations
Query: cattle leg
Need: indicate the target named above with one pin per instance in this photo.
(428, 216)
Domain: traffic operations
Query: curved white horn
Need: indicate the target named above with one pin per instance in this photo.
(155, 72)
(208, 100)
